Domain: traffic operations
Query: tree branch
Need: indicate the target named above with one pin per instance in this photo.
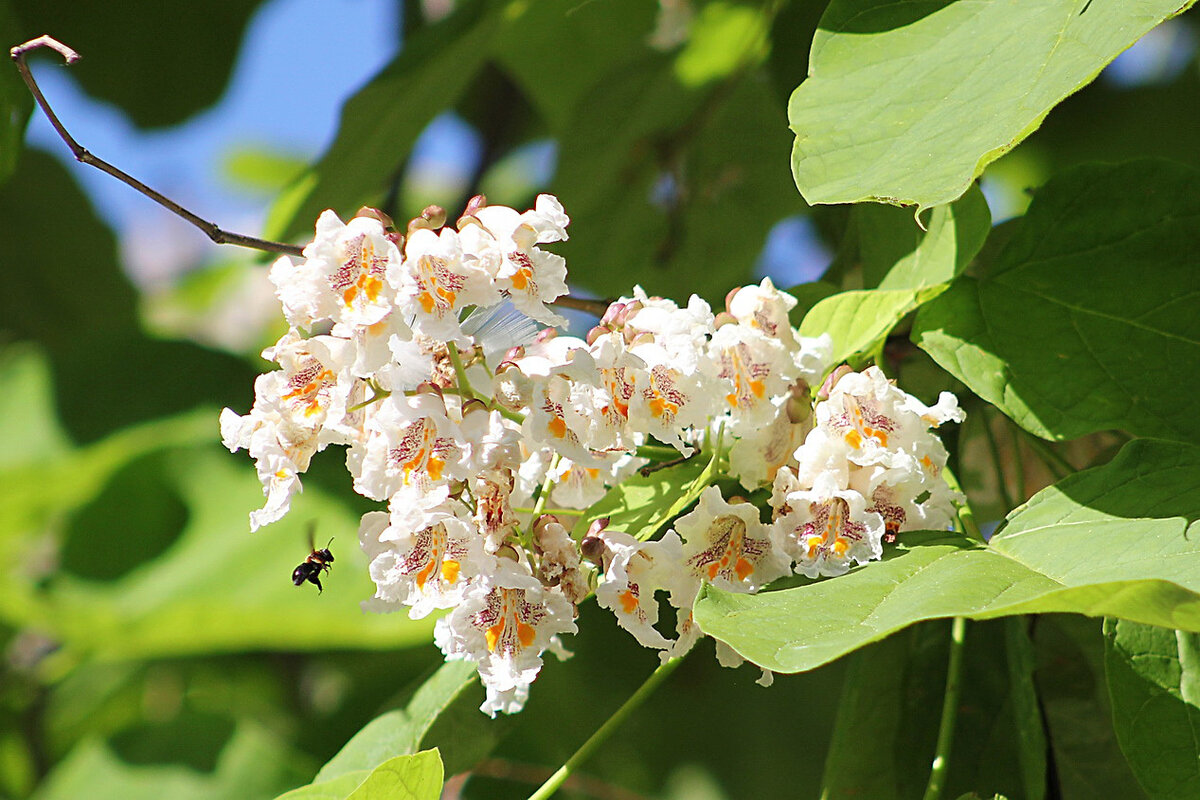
(82, 155)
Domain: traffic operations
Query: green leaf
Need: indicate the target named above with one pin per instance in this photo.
(642, 504)
(858, 320)
(1118, 540)
(413, 777)
(1070, 684)
(254, 764)
(1092, 298)
(403, 731)
(380, 123)
(906, 103)
(159, 62)
(1154, 682)
(897, 254)
(16, 103)
(217, 588)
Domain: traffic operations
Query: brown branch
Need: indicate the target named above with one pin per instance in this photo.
(83, 156)
(594, 307)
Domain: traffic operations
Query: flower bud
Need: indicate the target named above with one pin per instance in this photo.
(432, 218)
(724, 318)
(545, 335)
(729, 298)
(374, 213)
(595, 333)
(831, 381)
(592, 548)
(611, 315)
(799, 403)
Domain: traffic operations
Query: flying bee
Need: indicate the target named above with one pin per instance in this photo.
(318, 561)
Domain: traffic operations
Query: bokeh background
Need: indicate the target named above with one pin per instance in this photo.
(150, 646)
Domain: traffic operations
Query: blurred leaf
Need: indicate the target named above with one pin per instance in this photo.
(159, 62)
(724, 38)
(897, 254)
(27, 423)
(16, 103)
(893, 698)
(262, 170)
(218, 588)
(1092, 295)
(558, 52)
(1029, 733)
(1087, 762)
(672, 198)
(859, 320)
(1154, 683)
(641, 504)
(411, 777)
(73, 300)
(404, 731)
(1134, 518)
(907, 103)
(252, 765)
(380, 123)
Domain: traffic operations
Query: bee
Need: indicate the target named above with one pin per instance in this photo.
(318, 561)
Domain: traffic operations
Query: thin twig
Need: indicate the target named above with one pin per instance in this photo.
(594, 307)
(83, 156)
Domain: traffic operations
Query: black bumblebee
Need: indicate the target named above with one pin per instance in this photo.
(318, 561)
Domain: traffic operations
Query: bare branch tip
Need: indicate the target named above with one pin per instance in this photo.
(69, 55)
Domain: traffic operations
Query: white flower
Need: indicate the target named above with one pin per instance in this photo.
(825, 529)
(505, 242)
(634, 572)
(426, 568)
(343, 276)
(727, 546)
(753, 368)
(435, 284)
(410, 442)
(504, 623)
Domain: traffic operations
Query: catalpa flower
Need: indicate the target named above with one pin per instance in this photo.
(505, 242)
(504, 623)
(426, 568)
(633, 572)
(435, 284)
(410, 443)
(343, 277)
(826, 529)
(727, 546)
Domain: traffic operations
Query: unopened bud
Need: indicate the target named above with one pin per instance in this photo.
(611, 314)
(831, 381)
(432, 218)
(474, 406)
(396, 238)
(729, 298)
(592, 549)
(545, 335)
(724, 318)
(430, 388)
(799, 402)
(374, 213)
(595, 333)
(507, 551)
(643, 337)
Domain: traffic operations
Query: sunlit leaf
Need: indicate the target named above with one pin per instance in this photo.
(642, 504)
(1134, 518)
(1154, 682)
(1092, 297)
(908, 102)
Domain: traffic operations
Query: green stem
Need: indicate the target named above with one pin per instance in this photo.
(1054, 461)
(1018, 465)
(997, 463)
(941, 758)
(965, 515)
(460, 372)
(604, 731)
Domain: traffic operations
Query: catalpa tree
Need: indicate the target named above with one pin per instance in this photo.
(562, 420)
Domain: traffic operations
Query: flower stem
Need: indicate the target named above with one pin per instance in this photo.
(460, 372)
(604, 731)
(941, 757)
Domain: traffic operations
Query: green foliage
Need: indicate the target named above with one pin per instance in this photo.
(886, 117)
(1154, 682)
(154, 648)
(1085, 302)
(1134, 517)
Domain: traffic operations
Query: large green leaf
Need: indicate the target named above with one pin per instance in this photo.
(1154, 681)
(380, 123)
(1073, 696)
(908, 102)
(216, 588)
(1118, 540)
(409, 777)
(160, 62)
(859, 319)
(1087, 308)
(254, 764)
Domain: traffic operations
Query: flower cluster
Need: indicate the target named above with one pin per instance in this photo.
(423, 354)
